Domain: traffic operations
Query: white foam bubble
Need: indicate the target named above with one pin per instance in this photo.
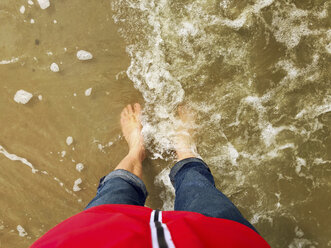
(30, 2)
(292, 71)
(187, 28)
(21, 231)
(44, 4)
(63, 153)
(58, 180)
(237, 23)
(241, 20)
(32, 21)
(88, 92)
(278, 204)
(6, 62)
(79, 167)
(321, 161)
(69, 140)
(257, 216)
(300, 163)
(22, 9)
(298, 232)
(216, 117)
(224, 4)
(315, 110)
(84, 55)
(290, 24)
(269, 133)
(76, 183)
(22, 97)
(233, 153)
(301, 242)
(54, 67)
(328, 48)
(168, 195)
(40, 97)
(101, 147)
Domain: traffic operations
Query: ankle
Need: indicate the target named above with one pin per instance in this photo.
(137, 155)
(184, 155)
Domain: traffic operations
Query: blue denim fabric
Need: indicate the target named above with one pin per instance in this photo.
(120, 187)
(194, 186)
(196, 192)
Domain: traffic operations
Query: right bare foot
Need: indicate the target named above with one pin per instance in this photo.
(184, 143)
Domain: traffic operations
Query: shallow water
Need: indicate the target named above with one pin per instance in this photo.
(257, 74)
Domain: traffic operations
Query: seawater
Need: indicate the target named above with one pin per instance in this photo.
(256, 73)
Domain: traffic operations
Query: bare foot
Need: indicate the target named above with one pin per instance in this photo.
(131, 128)
(184, 143)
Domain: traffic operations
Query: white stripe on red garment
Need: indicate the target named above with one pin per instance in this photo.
(161, 237)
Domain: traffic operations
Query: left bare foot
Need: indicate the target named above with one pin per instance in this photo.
(183, 141)
(131, 128)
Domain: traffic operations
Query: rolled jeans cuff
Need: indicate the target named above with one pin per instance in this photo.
(179, 165)
(128, 177)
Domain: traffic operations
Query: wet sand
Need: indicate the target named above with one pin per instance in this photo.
(255, 73)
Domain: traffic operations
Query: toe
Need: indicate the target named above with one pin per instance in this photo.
(129, 109)
(137, 108)
(124, 117)
(124, 112)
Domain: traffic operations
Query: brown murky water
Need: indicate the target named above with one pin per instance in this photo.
(257, 73)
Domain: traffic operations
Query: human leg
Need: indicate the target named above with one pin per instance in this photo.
(193, 182)
(120, 187)
(124, 184)
(196, 192)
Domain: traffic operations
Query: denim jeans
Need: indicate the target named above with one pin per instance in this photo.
(193, 183)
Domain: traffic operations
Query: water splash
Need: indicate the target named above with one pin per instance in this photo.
(255, 74)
